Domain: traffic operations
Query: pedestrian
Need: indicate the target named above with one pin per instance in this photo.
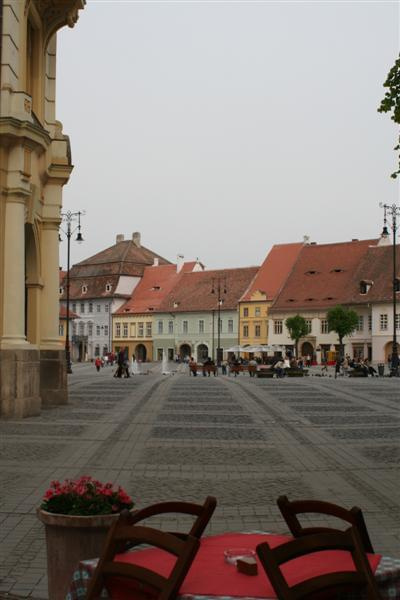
(337, 367)
(97, 363)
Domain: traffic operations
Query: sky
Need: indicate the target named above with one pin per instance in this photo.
(219, 128)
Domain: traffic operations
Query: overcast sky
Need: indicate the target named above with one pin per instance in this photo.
(217, 129)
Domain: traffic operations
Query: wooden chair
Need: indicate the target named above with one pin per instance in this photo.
(203, 512)
(354, 516)
(321, 586)
(165, 588)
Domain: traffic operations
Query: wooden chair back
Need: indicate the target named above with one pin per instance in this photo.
(203, 512)
(330, 584)
(354, 516)
(165, 588)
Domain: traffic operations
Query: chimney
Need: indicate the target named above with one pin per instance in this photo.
(179, 262)
(136, 238)
(306, 239)
(119, 238)
(156, 262)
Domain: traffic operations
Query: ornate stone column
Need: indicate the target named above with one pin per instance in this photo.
(53, 383)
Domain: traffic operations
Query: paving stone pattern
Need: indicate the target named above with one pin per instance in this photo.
(243, 440)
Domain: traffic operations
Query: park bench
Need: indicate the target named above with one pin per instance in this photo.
(208, 369)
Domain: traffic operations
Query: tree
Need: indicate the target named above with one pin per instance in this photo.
(391, 101)
(342, 321)
(297, 328)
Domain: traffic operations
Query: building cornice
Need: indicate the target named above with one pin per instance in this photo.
(12, 129)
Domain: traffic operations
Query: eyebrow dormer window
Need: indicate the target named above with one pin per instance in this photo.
(397, 284)
(84, 289)
(337, 271)
(365, 286)
(156, 287)
(108, 287)
(311, 272)
(61, 291)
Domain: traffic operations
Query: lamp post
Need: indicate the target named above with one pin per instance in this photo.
(219, 287)
(69, 218)
(393, 211)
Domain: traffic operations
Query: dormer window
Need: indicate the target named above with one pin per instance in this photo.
(61, 290)
(365, 286)
(150, 308)
(155, 288)
(311, 272)
(176, 304)
(310, 299)
(84, 289)
(108, 287)
(337, 270)
(290, 300)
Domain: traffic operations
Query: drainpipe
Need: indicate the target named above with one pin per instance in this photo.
(1, 33)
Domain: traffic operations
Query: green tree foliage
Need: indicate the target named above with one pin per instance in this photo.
(297, 328)
(342, 321)
(391, 101)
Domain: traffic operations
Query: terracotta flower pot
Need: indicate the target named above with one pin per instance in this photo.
(70, 539)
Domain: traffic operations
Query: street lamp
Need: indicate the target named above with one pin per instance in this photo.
(219, 287)
(393, 211)
(69, 218)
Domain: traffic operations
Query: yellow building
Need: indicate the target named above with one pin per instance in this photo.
(253, 319)
(134, 334)
(35, 164)
(255, 302)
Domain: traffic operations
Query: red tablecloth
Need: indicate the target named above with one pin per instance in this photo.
(210, 575)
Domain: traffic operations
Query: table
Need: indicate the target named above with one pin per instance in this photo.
(197, 586)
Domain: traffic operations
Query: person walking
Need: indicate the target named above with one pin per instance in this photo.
(98, 363)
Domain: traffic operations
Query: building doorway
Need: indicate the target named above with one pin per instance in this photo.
(307, 349)
(185, 351)
(202, 352)
(140, 353)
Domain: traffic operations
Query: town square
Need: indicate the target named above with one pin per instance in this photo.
(199, 300)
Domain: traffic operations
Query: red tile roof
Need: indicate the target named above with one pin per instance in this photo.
(63, 313)
(376, 267)
(274, 270)
(155, 284)
(106, 267)
(193, 291)
(321, 275)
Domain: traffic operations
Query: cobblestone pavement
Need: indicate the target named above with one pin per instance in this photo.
(243, 440)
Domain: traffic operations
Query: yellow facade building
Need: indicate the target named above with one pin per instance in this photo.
(35, 164)
(255, 302)
(134, 334)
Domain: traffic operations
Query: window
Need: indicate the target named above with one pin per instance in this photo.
(148, 329)
(82, 308)
(278, 326)
(257, 330)
(61, 291)
(118, 330)
(90, 307)
(74, 328)
(383, 319)
(360, 324)
(106, 307)
(309, 325)
(257, 311)
(397, 284)
(170, 327)
(324, 326)
(184, 326)
(160, 327)
(97, 350)
(97, 329)
(99, 308)
(84, 289)
(365, 286)
(140, 329)
(245, 312)
(201, 326)
(369, 322)
(90, 329)
(230, 325)
(398, 321)
(81, 328)
(105, 329)
(61, 329)
(74, 307)
(108, 287)
(245, 331)
(125, 330)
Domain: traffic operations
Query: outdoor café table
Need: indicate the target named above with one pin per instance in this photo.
(210, 577)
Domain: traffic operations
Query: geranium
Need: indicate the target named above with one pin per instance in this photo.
(85, 496)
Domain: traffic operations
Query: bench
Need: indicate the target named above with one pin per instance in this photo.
(210, 369)
(267, 373)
